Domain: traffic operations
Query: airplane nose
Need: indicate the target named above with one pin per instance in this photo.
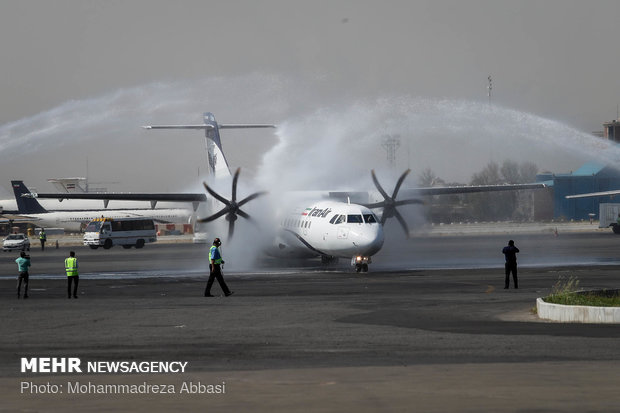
(370, 241)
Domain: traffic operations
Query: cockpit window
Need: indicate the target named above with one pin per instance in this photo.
(355, 219)
(338, 219)
(370, 219)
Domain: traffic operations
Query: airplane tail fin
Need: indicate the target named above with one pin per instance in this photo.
(25, 205)
(218, 165)
(217, 161)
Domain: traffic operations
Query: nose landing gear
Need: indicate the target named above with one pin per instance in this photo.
(361, 263)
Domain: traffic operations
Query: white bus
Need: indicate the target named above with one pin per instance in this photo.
(128, 232)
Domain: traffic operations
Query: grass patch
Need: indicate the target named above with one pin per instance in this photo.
(565, 292)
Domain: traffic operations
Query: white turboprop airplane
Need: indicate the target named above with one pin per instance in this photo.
(329, 226)
(73, 220)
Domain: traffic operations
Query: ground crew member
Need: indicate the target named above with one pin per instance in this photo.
(23, 262)
(71, 267)
(510, 252)
(42, 238)
(215, 270)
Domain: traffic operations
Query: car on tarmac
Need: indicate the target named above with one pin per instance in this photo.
(16, 242)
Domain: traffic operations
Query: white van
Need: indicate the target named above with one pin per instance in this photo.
(128, 232)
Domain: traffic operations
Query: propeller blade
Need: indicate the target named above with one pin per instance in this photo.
(402, 223)
(409, 202)
(232, 207)
(215, 216)
(231, 228)
(378, 185)
(375, 205)
(249, 218)
(384, 217)
(251, 197)
(216, 195)
(389, 203)
(400, 182)
(234, 185)
(244, 215)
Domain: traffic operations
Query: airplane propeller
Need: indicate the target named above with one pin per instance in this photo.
(232, 208)
(390, 204)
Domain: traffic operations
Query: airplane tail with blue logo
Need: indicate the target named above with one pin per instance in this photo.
(218, 165)
(26, 205)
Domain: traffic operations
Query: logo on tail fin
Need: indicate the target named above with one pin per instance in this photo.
(25, 205)
(217, 161)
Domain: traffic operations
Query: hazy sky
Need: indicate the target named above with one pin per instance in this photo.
(557, 59)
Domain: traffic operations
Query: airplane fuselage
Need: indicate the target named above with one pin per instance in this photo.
(74, 221)
(330, 229)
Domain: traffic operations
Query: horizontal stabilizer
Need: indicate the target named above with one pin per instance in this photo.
(208, 126)
(179, 127)
(245, 126)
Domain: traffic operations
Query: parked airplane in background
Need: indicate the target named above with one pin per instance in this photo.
(30, 210)
(325, 224)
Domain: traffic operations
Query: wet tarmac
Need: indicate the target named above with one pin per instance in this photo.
(433, 335)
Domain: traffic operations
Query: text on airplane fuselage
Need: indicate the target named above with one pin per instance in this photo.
(316, 212)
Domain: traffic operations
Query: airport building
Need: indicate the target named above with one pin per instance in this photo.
(591, 177)
(611, 131)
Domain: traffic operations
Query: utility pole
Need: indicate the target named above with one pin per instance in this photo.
(490, 87)
(391, 143)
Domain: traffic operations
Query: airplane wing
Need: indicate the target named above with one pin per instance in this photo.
(469, 189)
(593, 194)
(106, 197)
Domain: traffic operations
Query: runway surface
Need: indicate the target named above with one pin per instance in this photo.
(434, 335)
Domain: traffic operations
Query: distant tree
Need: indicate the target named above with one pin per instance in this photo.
(510, 172)
(528, 171)
(427, 177)
(490, 175)
(501, 205)
(491, 206)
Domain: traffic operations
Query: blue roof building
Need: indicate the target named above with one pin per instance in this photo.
(591, 177)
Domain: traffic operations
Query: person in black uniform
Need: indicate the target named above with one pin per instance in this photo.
(510, 252)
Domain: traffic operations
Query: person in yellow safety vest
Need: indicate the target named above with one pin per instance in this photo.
(42, 238)
(71, 266)
(215, 270)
